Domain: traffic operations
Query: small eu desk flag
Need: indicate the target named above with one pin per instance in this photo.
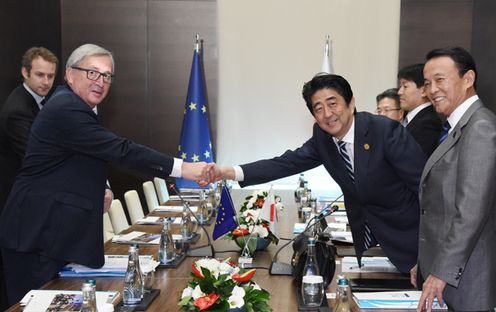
(195, 144)
(226, 216)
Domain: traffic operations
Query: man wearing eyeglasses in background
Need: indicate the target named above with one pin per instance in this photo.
(421, 120)
(388, 105)
(54, 213)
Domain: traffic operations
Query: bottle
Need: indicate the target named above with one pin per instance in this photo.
(311, 265)
(299, 189)
(342, 296)
(89, 303)
(186, 225)
(202, 214)
(133, 281)
(93, 292)
(166, 249)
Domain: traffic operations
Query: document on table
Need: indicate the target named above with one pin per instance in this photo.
(40, 300)
(391, 300)
(174, 208)
(185, 197)
(115, 265)
(341, 219)
(342, 236)
(369, 265)
(152, 220)
(137, 237)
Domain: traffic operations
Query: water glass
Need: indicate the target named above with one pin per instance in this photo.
(149, 279)
(312, 289)
(306, 214)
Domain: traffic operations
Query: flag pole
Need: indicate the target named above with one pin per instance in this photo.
(197, 43)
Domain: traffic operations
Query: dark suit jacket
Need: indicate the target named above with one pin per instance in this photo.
(425, 128)
(388, 164)
(16, 117)
(458, 219)
(55, 207)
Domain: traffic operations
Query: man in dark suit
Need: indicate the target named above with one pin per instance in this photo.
(378, 172)
(421, 121)
(457, 251)
(54, 213)
(38, 68)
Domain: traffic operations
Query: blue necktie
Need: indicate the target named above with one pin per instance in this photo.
(444, 132)
(346, 158)
(368, 239)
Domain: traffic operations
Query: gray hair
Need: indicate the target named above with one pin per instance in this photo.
(87, 50)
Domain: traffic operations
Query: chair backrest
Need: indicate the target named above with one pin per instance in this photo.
(118, 216)
(108, 230)
(150, 195)
(133, 205)
(162, 192)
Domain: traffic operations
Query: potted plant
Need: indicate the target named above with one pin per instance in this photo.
(219, 285)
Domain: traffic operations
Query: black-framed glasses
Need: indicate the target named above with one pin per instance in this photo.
(386, 110)
(94, 75)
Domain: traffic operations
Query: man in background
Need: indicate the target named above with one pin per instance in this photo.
(38, 69)
(421, 120)
(374, 160)
(53, 214)
(457, 246)
(388, 105)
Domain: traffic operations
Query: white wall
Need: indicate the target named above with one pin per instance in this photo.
(269, 48)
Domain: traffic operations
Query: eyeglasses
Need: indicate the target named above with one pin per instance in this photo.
(94, 75)
(386, 110)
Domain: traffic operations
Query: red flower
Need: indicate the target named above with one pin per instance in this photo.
(245, 277)
(240, 232)
(197, 271)
(260, 202)
(206, 302)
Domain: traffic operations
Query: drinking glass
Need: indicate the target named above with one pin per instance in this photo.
(312, 289)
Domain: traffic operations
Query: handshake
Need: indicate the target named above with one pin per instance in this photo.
(205, 173)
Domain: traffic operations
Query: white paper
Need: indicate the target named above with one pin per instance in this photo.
(369, 265)
(137, 237)
(39, 300)
(342, 236)
(337, 226)
(174, 208)
(150, 220)
(117, 263)
(186, 196)
(341, 219)
(391, 300)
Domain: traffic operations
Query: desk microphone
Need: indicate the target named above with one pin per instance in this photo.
(280, 268)
(201, 251)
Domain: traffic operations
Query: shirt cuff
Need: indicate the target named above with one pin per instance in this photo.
(176, 168)
(238, 173)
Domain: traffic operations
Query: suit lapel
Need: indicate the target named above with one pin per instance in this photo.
(362, 146)
(451, 140)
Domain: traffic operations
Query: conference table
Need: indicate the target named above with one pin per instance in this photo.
(171, 282)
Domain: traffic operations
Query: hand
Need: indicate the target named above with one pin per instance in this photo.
(433, 288)
(197, 172)
(107, 200)
(413, 276)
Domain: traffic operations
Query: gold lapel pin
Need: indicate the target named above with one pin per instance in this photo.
(366, 146)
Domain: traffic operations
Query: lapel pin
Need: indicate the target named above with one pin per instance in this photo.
(366, 146)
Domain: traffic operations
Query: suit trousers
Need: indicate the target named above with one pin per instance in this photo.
(24, 271)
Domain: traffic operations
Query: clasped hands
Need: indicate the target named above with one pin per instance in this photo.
(205, 173)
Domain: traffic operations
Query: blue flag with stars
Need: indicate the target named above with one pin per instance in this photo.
(226, 216)
(195, 144)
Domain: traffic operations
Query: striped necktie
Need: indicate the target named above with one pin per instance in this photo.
(368, 239)
(444, 132)
(346, 158)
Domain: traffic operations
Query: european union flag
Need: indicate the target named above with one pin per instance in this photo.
(226, 216)
(195, 144)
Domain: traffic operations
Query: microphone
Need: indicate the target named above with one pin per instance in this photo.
(280, 268)
(201, 251)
